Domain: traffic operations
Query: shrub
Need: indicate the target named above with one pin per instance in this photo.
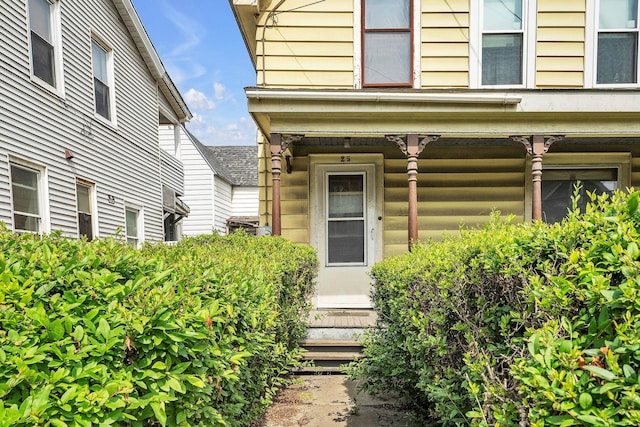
(514, 324)
(99, 333)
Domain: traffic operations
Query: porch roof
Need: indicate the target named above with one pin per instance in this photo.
(455, 114)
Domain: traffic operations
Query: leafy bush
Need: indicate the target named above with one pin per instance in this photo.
(528, 324)
(99, 333)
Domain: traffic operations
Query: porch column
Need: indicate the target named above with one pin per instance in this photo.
(536, 146)
(278, 145)
(412, 149)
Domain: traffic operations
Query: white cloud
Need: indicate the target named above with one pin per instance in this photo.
(214, 131)
(198, 100)
(220, 91)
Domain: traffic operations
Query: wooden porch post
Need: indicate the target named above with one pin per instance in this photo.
(412, 149)
(278, 146)
(537, 146)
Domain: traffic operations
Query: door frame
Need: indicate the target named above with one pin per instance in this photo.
(319, 165)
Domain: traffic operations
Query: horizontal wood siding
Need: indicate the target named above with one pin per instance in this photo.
(38, 126)
(306, 44)
(445, 44)
(198, 195)
(560, 43)
(454, 189)
(222, 203)
(244, 201)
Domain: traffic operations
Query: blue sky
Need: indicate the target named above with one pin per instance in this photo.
(202, 49)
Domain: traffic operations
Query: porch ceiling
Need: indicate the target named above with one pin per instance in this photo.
(457, 115)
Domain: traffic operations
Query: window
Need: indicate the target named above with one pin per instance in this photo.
(102, 82)
(133, 226)
(45, 48)
(26, 196)
(617, 42)
(387, 43)
(84, 204)
(502, 42)
(597, 173)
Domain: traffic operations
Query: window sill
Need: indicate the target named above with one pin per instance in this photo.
(42, 85)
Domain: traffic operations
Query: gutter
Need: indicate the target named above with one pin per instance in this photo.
(451, 98)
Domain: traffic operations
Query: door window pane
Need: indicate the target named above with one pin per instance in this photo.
(501, 15)
(346, 196)
(346, 241)
(617, 60)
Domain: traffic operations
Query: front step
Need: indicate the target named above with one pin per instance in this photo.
(328, 355)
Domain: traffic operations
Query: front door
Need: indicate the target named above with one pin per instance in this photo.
(345, 228)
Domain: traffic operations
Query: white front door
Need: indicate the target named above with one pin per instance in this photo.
(346, 231)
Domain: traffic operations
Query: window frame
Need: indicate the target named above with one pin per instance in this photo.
(139, 238)
(567, 161)
(109, 59)
(56, 44)
(93, 206)
(528, 31)
(591, 48)
(42, 196)
(362, 31)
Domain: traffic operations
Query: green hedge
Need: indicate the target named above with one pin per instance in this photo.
(97, 333)
(515, 325)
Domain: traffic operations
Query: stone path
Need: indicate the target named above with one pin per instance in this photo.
(331, 400)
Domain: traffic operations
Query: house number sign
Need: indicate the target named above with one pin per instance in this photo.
(345, 159)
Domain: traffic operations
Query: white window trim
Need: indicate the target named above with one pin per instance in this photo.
(112, 81)
(530, 24)
(43, 194)
(591, 50)
(56, 29)
(177, 137)
(417, 44)
(138, 207)
(93, 199)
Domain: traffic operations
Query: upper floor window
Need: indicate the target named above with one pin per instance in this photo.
(617, 42)
(45, 46)
(502, 42)
(387, 43)
(27, 198)
(102, 79)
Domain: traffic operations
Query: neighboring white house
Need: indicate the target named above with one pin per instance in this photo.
(221, 185)
(83, 93)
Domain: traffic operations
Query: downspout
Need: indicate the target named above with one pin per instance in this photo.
(263, 40)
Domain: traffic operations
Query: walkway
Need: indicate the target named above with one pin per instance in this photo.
(331, 400)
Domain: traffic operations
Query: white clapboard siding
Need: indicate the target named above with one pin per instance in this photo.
(123, 160)
(245, 201)
(198, 194)
(222, 203)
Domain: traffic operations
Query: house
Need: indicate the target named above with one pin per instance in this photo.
(83, 95)
(387, 122)
(221, 185)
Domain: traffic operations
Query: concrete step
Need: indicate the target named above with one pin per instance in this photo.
(328, 354)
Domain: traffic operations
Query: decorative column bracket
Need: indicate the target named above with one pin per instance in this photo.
(412, 149)
(537, 147)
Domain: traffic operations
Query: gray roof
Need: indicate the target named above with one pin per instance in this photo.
(237, 164)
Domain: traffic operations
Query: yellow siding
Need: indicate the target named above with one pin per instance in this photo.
(445, 43)
(560, 43)
(306, 44)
